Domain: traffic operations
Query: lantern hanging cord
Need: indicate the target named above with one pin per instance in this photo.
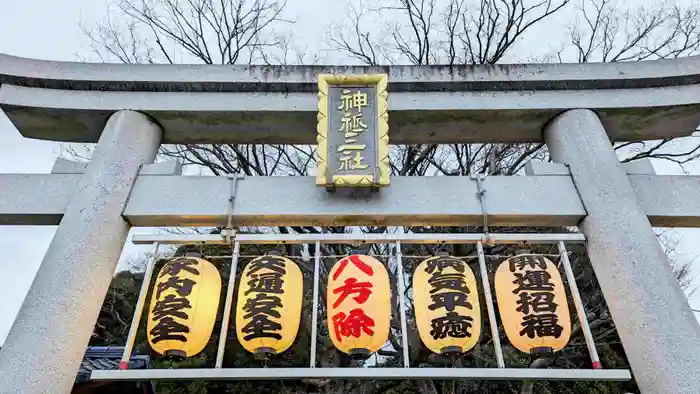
(230, 233)
(481, 196)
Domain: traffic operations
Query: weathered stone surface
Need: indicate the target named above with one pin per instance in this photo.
(67, 101)
(47, 341)
(657, 328)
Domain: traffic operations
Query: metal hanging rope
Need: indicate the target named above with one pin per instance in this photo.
(481, 196)
(229, 231)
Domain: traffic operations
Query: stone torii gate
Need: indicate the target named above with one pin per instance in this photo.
(129, 110)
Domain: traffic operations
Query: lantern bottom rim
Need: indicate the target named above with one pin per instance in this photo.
(360, 353)
(264, 353)
(175, 354)
(541, 352)
(451, 350)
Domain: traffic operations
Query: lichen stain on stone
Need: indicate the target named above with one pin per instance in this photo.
(633, 124)
(55, 125)
(477, 117)
(309, 74)
(234, 118)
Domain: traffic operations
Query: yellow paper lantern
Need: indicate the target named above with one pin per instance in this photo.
(446, 305)
(358, 305)
(184, 305)
(268, 311)
(532, 304)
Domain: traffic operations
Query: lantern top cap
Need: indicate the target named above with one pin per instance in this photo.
(275, 252)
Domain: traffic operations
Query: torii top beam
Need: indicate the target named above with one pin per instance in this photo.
(67, 101)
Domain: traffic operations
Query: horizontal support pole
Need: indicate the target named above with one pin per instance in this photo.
(344, 238)
(179, 239)
(160, 200)
(415, 117)
(362, 373)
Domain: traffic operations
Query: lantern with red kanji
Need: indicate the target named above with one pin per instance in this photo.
(359, 305)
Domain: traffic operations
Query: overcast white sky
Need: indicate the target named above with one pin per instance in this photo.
(48, 29)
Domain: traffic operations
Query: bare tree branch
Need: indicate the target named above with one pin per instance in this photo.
(209, 31)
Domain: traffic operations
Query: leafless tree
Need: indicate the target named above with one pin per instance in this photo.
(605, 32)
(459, 33)
(453, 32)
(209, 32)
(173, 31)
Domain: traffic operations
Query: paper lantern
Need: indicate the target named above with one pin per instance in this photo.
(269, 304)
(358, 305)
(184, 304)
(446, 305)
(532, 304)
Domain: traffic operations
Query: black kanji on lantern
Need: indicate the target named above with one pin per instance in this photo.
(183, 286)
(536, 297)
(449, 300)
(520, 262)
(168, 329)
(272, 263)
(441, 263)
(536, 280)
(262, 304)
(542, 325)
(440, 281)
(452, 325)
(268, 282)
(174, 267)
(265, 282)
(536, 302)
(449, 290)
(171, 305)
(261, 326)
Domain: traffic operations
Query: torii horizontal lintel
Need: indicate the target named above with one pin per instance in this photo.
(170, 200)
(69, 101)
